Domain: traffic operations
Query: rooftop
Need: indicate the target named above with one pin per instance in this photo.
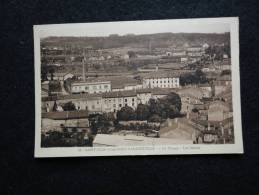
(72, 96)
(115, 94)
(64, 115)
(131, 140)
(161, 74)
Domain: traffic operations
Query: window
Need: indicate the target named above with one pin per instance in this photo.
(106, 86)
(160, 81)
(97, 102)
(114, 105)
(86, 88)
(93, 106)
(164, 81)
(133, 104)
(120, 105)
(126, 104)
(125, 100)
(133, 99)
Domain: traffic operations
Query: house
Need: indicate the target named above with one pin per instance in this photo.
(195, 51)
(222, 83)
(206, 90)
(179, 52)
(205, 46)
(90, 102)
(70, 119)
(60, 76)
(193, 91)
(218, 111)
(144, 95)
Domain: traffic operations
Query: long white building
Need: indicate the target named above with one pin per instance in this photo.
(91, 87)
(161, 80)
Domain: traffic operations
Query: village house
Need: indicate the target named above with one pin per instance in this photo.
(90, 102)
(69, 119)
(218, 111)
(195, 51)
(60, 76)
(143, 96)
(206, 90)
(222, 83)
(179, 53)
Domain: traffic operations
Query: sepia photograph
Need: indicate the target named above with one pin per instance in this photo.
(154, 87)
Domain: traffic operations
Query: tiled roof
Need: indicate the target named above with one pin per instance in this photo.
(114, 94)
(64, 115)
(164, 74)
(72, 96)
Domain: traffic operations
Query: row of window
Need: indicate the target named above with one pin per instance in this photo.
(173, 81)
(94, 87)
(114, 100)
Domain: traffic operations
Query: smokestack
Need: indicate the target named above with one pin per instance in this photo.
(83, 63)
(83, 69)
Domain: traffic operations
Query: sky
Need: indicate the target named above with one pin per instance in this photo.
(212, 25)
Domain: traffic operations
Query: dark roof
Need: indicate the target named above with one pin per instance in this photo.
(146, 90)
(163, 74)
(161, 91)
(64, 115)
(72, 96)
(115, 94)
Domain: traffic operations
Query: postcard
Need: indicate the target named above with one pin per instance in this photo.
(152, 87)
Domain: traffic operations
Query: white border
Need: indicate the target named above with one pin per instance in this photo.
(237, 147)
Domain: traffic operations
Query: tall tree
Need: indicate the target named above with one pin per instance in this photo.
(142, 112)
(126, 113)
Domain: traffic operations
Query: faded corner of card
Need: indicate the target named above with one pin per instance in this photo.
(127, 88)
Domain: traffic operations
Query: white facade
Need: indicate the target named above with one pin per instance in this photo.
(91, 87)
(113, 104)
(143, 98)
(163, 82)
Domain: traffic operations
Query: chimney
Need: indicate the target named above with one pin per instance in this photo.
(83, 63)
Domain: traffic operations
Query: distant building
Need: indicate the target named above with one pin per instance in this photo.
(218, 111)
(179, 53)
(60, 76)
(222, 83)
(143, 96)
(205, 46)
(195, 51)
(91, 87)
(206, 90)
(70, 119)
(90, 102)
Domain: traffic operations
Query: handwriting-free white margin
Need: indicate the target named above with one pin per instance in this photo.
(237, 147)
